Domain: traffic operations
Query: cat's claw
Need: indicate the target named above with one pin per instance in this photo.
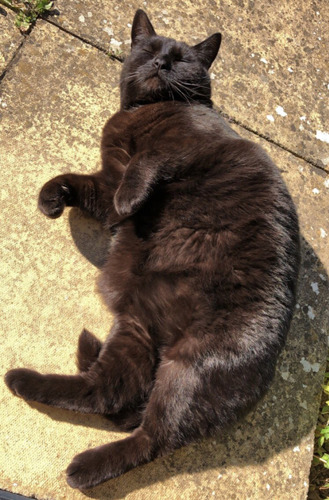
(23, 382)
(52, 199)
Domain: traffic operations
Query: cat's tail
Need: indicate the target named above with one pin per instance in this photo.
(88, 350)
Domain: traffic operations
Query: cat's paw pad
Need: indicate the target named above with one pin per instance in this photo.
(85, 471)
(23, 382)
(52, 199)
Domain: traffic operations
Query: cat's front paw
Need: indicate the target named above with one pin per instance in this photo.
(23, 382)
(52, 198)
(125, 201)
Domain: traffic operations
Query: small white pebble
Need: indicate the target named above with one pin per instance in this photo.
(268, 487)
(108, 30)
(315, 191)
(297, 306)
(305, 484)
(308, 367)
(3, 104)
(326, 183)
(129, 25)
(280, 111)
(212, 76)
(82, 18)
(322, 136)
(303, 118)
(270, 118)
(323, 233)
(219, 476)
(252, 55)
(115, 42)
(296, 449)
(290, 70)
(322, 277)
(315, 287)
(290, 476)
(310, 312)
(303, 404)
(264, 60)
(89, 14)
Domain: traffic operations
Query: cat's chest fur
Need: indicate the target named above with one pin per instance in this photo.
(164, 125)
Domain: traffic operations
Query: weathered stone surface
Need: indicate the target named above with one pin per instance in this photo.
(272, 72)
(58, 95)
(10, 37)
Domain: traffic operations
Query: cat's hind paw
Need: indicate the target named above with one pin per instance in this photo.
(88, 350)
(86, 470)
(52, 199)
(23, 382)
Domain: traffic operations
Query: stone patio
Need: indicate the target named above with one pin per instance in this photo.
(57, 88)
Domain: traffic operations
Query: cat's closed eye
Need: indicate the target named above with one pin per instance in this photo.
(149, 52)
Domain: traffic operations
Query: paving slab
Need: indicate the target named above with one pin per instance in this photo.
(272, 74)
(58, 95)
(10, 37)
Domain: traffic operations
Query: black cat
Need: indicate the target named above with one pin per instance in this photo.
(201, 274)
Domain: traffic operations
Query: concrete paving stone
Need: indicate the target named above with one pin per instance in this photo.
(10, 37)
(272, 74)
(58, 95)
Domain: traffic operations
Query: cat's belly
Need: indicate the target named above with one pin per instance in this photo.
(161, 301)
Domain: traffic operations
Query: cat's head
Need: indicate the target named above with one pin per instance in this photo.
(162, 69)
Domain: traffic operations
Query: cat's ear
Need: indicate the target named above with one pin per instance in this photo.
(142, 27)
(208, 49)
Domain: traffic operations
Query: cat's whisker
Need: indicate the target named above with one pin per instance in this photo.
(194, 92)
(179, 92)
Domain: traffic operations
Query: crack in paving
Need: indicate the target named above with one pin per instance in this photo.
(85, 40)
(13, 59)
(272, 141)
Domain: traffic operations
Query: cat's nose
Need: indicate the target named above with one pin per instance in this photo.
(162, 62)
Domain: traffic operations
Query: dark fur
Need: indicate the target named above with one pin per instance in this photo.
(201, 274)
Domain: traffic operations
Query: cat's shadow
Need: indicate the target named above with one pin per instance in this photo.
(281, 420)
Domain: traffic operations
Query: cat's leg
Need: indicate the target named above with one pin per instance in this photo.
(89, 348)
(190, 399)
(91, 193)
(122, 375)
(172, 418)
